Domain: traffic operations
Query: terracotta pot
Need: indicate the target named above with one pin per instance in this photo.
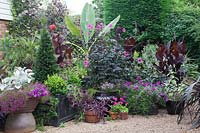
(113, 115)
(91, 117)
(29, 106)
(124, 116)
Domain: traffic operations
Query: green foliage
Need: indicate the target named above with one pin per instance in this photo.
(44, 112)
(140, 102)
(56, 85)
(26, 21)
(19, 51)
(145, 12)
(72, 27)
(185, 23)
(88, 18)
(119, 108)
(45, 63)
(98, 9)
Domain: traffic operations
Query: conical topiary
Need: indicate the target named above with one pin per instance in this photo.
(45, 63)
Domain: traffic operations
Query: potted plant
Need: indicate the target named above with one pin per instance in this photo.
(123, 112)
(114, 112)
(173, 93)
(62, 108)
(19, 99)
(94, 110)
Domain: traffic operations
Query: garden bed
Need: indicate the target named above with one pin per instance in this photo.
(152, 124)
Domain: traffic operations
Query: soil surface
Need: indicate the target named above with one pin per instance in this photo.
(161, 123)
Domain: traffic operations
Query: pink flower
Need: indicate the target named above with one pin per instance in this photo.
(86, 63)
(153, 89)
(88, 33)
(139, 60)
(123, 30)
(90, 26)
(110, 25)
(121, 103)
(114, 98)
(126, 54)
(115, 103)
(52, 27)
(122, 99)
(126, 103)
(136, 87)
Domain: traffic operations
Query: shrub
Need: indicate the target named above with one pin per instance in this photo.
(108, 64)
(184, 23)
(56, 85)
(45, 63)
(19, 51)
(145, 12)
(27, 16)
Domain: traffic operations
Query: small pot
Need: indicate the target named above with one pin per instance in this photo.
(113, 115)
(174, 107)
(124, 115)
(91, 117)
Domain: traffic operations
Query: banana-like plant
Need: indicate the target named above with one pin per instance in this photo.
(88, 24)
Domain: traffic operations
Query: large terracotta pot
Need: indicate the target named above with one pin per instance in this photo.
(91, 117)
(113, 115)
(22, 121)
(29, 106)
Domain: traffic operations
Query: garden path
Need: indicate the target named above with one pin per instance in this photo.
(161, 123)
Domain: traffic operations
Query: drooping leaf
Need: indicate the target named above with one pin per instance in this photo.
(110, 26)
(72, 27)
(88, 18)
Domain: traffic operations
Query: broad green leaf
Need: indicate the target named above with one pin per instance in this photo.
(136, 54)
(88, 18)
(72, 27)
(110, 26)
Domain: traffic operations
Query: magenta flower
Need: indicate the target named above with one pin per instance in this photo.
(127, 84)
(123, 30)
(140, 60)
(158, 83)
(86, 63)
(139, 78)
(126, 54)
(136, 87)
(115, 103)
(110, 25)
(122, 99)
(153, 89)
(88, 33)
(114, 98)
(90, 26)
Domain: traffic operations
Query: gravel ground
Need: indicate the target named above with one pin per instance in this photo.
(161, 123)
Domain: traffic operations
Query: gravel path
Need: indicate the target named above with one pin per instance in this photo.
(161, 123)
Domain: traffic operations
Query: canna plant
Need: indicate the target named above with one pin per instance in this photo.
(171, 58)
